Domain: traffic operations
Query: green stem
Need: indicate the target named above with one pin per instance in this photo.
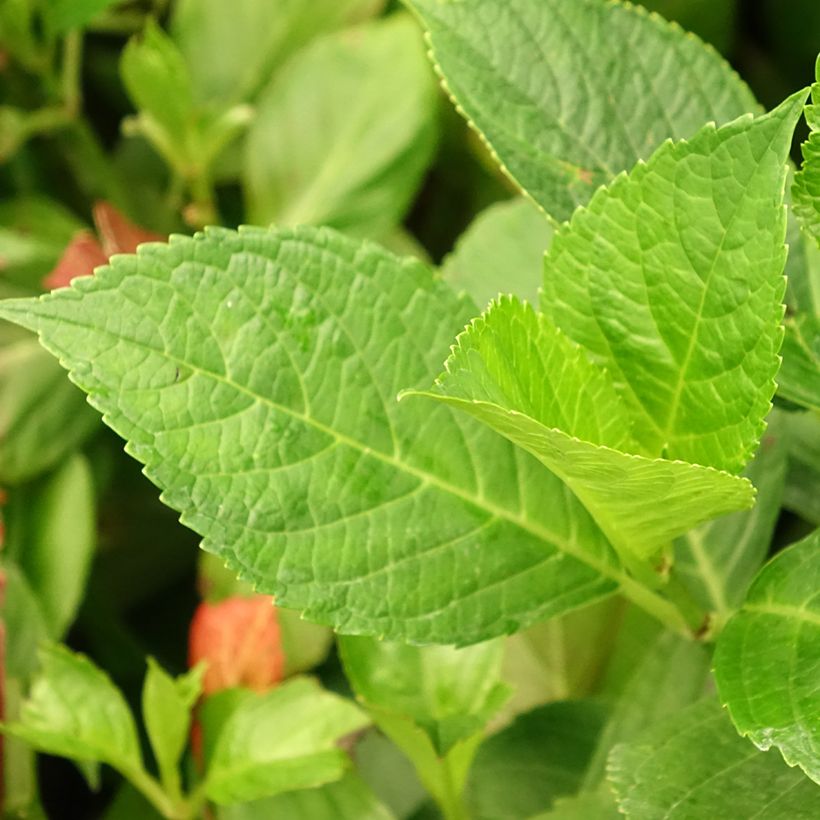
(450, 799)
(71, 72)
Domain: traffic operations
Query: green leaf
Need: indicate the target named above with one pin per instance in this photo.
(501, 251)
(166, 710)
(61, 16)
(344, 133)
(157, 80)
(694, 765)
(75, 711)
(598, 805)
(250, 371)
(799, 377)
(673, 277)
(347, 799)
(713, 20)
(543, 755)
(43, 417)
(52, 533)
(24, 623)
(449, 693)
(802, 491)
(569, 95)
(718, 560)
(516, 372)
(767, 661)
(806, 187)
(231, 49)
(282, 740)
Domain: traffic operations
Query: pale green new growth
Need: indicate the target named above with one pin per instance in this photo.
(255, 374)
(673, 277)
(694, 765)
(516, 372)
(767, 662)
(569, 94)
(806, 188)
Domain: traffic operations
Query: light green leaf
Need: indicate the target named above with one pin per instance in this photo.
(75, 711)
(718, 560)
(157, 80)
(806, 187)
(255, 374)
(24, 623)
(543, 755)
(449, 693)
(673, 277)
(345, 132)
(516, 372)
(282, 740)
(799, 377)
(694, 765)
(347, 799)
(597, 805)
(231, 49)
(43, 417)
(802, 491)
(52, 533)
(60, 16)
(166, 711)
(767, 662)
(501, 252)
(570, 94)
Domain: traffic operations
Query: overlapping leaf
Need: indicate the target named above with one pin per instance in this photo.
(673, 278)
(256, 373)
(806, 188)
(694, 765)
(570, 94)
(767, 663)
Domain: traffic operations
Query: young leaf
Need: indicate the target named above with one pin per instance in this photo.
(570, 94)
(283, 740)
(718, 560)
(806, 187)
(449, 693)
(501, 252)
(543, 755)
(231, 49)
(345, 132)
(672, 276)
(695, 765)
(767, 661)
(250, 371)
(516, 372)
(24, 622)
(166, 710)
(75, 711)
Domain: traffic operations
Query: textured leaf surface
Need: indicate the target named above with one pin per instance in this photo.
(718, 560)
(694, 765)
(75, 711)
(501, 252)
(450, 693)
(344, 133)
(570, 94)
(256, 373)
(232, 48)
(799, 377)
(673, 277)
(767, 662)
(280, 741)
(516, 372)
(806, 188)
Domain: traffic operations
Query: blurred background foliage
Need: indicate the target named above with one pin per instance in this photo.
(179, 113)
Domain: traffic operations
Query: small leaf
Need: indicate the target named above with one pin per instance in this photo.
(23, 620)
(806, 187)
(694, 765)
(801, 494)
(568, 95)
(344, 133)
(799, 377)
(501, 252)
(166, 710)
(283, 740)
(673, 277)
(767, 661)
(75, 711)
(449, 693)
(81, 256)
(516, 372)
(238, 640)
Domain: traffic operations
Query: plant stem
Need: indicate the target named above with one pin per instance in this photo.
(71, 72)
(451, 803)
